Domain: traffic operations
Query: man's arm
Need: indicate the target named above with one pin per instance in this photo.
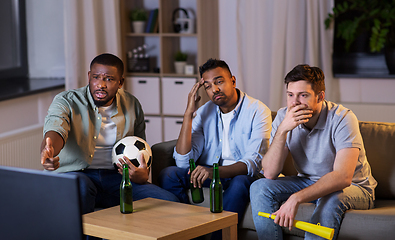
(273, 161)
(251, 160)
(50, 148)
(184, 142)
(240, 168)
(340, 178)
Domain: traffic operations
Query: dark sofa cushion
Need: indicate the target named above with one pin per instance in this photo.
(379, 141)
(162, 157)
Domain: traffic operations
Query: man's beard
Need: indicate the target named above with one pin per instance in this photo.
(100, 103)
(217, 94)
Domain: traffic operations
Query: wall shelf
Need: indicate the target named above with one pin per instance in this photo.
(163, 116)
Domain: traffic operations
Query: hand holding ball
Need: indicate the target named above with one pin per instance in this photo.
(132, 147)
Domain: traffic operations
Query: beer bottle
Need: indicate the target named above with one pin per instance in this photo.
(216, 191)
(126, 192)
(197, 193)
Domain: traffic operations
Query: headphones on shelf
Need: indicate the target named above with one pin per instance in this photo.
(179, 25)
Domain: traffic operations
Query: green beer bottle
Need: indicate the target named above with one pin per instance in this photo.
(126, 192)
(197, 193)
(216, 191)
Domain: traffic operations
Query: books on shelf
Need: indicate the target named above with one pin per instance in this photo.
(156, 26)
(152, 24)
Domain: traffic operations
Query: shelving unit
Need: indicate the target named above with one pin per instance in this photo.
(163, 93)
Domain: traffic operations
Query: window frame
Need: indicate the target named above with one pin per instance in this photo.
(20, 70)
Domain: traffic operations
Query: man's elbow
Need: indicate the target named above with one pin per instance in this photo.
(346, 182)
(182, 164)
(269, 172)
(269, 175)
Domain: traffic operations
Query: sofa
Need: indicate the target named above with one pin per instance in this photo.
(377, 223)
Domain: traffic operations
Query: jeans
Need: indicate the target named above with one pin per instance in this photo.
(236, 189)
(100, 188)
(267, 196)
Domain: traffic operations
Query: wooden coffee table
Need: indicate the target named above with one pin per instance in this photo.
(159, 219)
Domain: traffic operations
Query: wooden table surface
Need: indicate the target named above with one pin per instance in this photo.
(159, 219)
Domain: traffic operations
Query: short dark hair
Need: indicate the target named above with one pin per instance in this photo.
(212, 64)
(313, 75)
(109, 60)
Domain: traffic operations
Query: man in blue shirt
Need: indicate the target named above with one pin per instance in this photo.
(232, 129)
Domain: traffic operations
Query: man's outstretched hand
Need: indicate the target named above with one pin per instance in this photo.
(48, 161)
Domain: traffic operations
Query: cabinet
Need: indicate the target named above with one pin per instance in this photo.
(162, 92)
(146, 90)
(175, 94)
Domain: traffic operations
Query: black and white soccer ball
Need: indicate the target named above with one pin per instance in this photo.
(131, 147)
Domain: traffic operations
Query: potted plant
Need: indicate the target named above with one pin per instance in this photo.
(374, 18)
(138, 17)
(180, 61)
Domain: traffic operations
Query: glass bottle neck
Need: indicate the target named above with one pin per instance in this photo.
(215, 171)
(192, 165)
(125, 173)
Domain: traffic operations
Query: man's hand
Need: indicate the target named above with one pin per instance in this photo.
(286, 214)
(47, 160)
(183, 145)
(193, 98)
(200, 174)
(296, 115)
(136, 174)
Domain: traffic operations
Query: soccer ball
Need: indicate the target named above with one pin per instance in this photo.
(131, 147)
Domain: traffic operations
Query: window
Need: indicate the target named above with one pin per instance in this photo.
(358, 62)
(13, 42)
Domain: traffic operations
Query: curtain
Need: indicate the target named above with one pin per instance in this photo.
(273, 36)
(91, 27)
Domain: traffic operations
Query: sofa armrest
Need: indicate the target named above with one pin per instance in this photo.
(162, 157)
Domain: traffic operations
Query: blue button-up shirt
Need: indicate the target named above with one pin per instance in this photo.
(249, 132)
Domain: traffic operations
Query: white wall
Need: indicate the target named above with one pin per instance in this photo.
(26, 111)
(369, 99)
(44, 20)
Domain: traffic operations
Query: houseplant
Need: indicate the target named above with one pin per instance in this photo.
(138, 17)
(373, 18)
(353, 18)
(180, 60)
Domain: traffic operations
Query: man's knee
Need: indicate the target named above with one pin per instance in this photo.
(87, 187)
(88, 192)
(169, 174)
(263, 189)
(168, 171)
(259, 185)
(241, 182)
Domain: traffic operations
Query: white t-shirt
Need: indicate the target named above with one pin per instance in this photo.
(106, 140)
(227, 158)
